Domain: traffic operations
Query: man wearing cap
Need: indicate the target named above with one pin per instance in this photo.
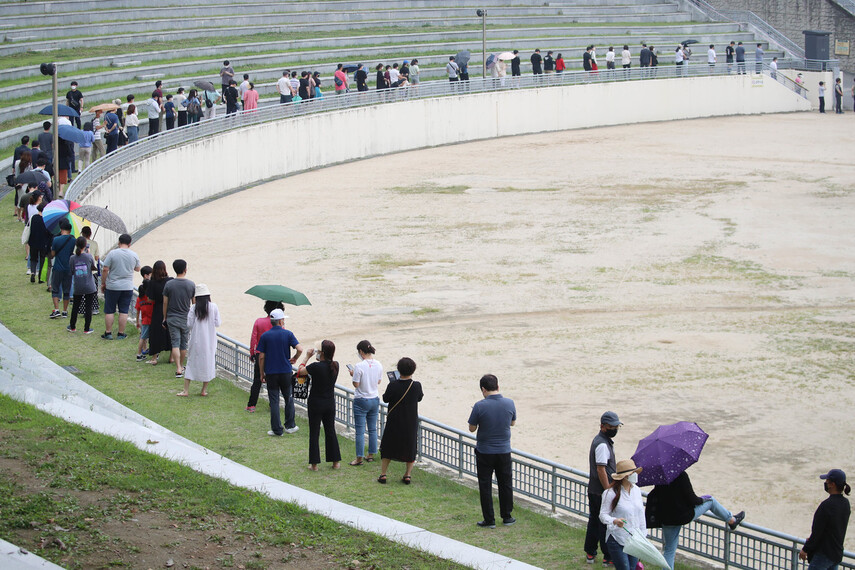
(824, 547)
(274, 362)
(601, 462)
(492, 418)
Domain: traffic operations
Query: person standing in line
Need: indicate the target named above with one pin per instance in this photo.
(321, 404)
(74, 99)
(515, 65)
(586, 59)
(758, 59)
(158, 338)
(548, 63)
(626, 57)
(153, 109)
(132, 124)
(144, 308)
(97, 138)
(194, 107)
(773, 67)
(536, 63)
(209, 101)
(361, 77)
(82, 266)
(340, 80)
(822, 96)
(40, 239)
(283, 87)
(610, 58)
(181, 109)
(169, 113)
(601, 462)
(244, 85)
(452, 70)
(492, 419)
(729, 51)
(46, 139)
(740, 59)
(400, 436)
(118, 285)
(274, 360)
(261, 326)
(673, 505)
(678, 60)
(824, 547)
(559, 64)
(644, 57)
(226, 75)
(231, 95)
(85, 151)
(178, 295)
(654, 59)
(366, 377)
(250, 98)
(203, 318)
(711, 57)
(61, 251)
(623, 508)
(381, 77)
(838, 96)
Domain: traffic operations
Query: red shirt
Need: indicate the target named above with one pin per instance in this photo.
(260, 327)
(559, 64)
(144, 309)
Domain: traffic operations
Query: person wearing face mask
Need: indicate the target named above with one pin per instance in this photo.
(824, 547)
(674, 505)
(601, 461)
(622, 512)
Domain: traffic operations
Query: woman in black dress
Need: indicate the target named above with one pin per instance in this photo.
(321, 404)
(381, 77)
(158, 339)
(303, 91)
(402, 421)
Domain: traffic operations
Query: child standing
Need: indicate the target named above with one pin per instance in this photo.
(144, 309)
(822, 96)
(169, 107)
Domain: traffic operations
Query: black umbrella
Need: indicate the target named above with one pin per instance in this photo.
(103, 217)
(463, 57)
(28, 177)
(202, 84)
(348, 67)
(61, 110)
(688, 42)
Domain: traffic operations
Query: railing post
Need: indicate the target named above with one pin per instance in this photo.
(236, 368)
(794, 556)
(460, 456)
(726, 547)
(554, 487)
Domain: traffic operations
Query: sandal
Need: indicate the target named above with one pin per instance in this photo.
(407, 479)
(369, 459)
(355, 463)
(381, 479)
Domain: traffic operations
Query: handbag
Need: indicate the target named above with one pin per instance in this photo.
(25, 235)
(401, 399)
(638, 546)
(300, 391)
(10, 180)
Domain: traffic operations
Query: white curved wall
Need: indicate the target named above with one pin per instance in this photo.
(154, 187)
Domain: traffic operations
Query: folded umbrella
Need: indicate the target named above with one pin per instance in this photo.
(278, 293)
(103, 217)
(61, 110)
(668, 451)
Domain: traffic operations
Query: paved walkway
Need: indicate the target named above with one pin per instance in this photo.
(28, 376)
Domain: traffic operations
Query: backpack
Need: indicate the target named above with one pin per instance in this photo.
(208, 102)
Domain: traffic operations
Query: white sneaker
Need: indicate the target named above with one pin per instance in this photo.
(271, 432)
(294, 429)
(29, 271)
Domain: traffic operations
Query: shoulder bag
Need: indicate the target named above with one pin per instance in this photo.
(401, 399)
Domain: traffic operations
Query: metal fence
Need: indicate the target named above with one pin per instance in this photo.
(117, 160)
(561, 488)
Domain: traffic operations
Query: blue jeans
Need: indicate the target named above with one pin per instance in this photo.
(277, 383)
(133, 134)
(366, 410)
(821, 562)
(621, 560)
(671, 534)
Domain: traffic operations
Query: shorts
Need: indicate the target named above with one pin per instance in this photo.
(112, 299)
(179, 335)
(414, 80)
(60, 284)
(145, 332)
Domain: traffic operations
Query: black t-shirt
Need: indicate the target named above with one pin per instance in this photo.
(381, 80)
(322, 388)
(361, 78)
(728, 52)
(548, 63)
(515, 66)
(231, 96)
(74, 96)
(535, 61)
(586, 61)
(829, 529)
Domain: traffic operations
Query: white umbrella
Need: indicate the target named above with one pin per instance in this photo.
(506, 55)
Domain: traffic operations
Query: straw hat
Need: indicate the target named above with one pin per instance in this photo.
(625, 468)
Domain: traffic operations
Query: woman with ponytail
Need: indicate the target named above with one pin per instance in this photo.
(82, 266)
(824, 547)
(622, 512)
(321, 404)
(203, 320)
(367, 375)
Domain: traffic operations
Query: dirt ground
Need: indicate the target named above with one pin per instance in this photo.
(696, 270)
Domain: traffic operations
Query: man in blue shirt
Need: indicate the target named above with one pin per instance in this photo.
(60, 285)
(492, 418)
(274, 363)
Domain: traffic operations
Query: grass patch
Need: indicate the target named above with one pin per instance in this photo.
(425, 311)
(430, 188)
(387, 262)
(219, 422)
(513, 189)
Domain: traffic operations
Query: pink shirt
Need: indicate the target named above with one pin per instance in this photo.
(261, 325)
(250, 99)
(342, 76)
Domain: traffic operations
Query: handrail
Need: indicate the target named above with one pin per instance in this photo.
(119, 159)
(561, 487)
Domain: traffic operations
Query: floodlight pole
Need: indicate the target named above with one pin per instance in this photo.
(56, 188)
(483, 13)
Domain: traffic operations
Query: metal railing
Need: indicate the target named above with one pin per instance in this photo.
(561, 488)
(149, 146)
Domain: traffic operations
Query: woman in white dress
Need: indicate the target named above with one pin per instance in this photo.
(203, 320)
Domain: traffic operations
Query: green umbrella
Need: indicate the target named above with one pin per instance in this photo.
(278, 293)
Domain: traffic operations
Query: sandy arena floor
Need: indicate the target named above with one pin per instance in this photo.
(697, 270)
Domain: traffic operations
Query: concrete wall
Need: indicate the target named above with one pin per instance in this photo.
(790, 17)
(144, 192)
(811, 82)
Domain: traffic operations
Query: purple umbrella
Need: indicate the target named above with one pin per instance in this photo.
(668, 451)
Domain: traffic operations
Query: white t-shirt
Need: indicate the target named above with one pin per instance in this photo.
(393, 75)
(678, 56)
(711, 56)
(625, 57)
(602, 454)
(283, 86)
(773, 65)
(179, 99)
(368, 374)
(96, 132)
(295, 84)
(244, 87)
(610, 56)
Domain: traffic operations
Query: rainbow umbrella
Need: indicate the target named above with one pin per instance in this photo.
(59, 210)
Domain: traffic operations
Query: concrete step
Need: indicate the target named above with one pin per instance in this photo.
(567, 46)
(309, 22)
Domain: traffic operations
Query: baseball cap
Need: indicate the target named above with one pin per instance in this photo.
(836, 476)
(277, 315)
(611, 419)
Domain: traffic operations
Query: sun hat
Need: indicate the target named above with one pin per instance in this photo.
(625, 468)
(836, 476)
(277, 315)
(611, 419)
(202, 290)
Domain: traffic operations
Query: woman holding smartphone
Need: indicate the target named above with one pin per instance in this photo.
(321, 404)
(367, 375)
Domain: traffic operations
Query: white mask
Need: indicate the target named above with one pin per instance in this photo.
(633, 478)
